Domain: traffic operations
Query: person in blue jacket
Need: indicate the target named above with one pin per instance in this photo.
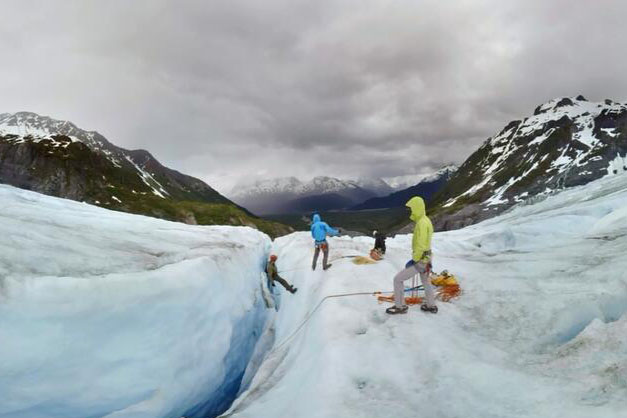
(319, 232)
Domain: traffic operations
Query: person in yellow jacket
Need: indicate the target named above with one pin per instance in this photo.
(420, 262)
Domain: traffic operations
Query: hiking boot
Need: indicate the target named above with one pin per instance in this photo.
(313, 268)
(396, 310)
(328, 266)
(432, 309)
(293, 290)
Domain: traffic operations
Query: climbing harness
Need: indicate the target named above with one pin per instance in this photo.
(322, 245)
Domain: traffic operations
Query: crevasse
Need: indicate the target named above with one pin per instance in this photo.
(106, 314)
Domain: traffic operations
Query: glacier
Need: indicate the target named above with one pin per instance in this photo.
(106, 314)
(540, 330)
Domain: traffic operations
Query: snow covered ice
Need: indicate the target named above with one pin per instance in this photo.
(109, 314)
(540, 330)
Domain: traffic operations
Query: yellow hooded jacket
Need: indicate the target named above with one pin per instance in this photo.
(423, 231)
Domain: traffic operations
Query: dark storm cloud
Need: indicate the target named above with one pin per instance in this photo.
(230, 89)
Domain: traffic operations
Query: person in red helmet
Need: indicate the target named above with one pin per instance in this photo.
(273, 275)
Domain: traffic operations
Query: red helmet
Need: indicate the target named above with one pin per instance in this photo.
(273, 257)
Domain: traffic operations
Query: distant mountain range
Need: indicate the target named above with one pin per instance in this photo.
(566, 142)
(290, 195)
(379, 187)
(57, 158)
(426, 188)
(398, 183)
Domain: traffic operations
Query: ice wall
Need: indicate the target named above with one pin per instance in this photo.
(109, 314)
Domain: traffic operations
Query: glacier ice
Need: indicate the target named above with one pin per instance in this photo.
(109, 314)
(100, 316)
(539, 331)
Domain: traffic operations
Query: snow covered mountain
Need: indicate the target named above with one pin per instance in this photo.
(378, 186)
(288, 195)
(566, 142)
(269, 186)
(426, 188)
(57, 158)
(405, 181)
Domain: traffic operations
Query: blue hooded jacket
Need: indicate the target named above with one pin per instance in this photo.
(320, 230)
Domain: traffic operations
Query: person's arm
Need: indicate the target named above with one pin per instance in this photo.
(420, 243)
(331, 231)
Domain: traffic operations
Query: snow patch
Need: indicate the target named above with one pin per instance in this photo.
(617, 166)
(148, 179)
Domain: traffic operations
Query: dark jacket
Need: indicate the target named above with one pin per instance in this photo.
(379, 242)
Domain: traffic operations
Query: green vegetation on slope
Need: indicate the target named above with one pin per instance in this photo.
(191, 212)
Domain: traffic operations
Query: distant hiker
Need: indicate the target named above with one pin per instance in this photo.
(379, 241)
(319, 232)
(378, 251)
(273, 275)
(420, 262)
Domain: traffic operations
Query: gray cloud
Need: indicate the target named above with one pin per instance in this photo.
(230, 89)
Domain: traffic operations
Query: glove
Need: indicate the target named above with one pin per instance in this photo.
(410, 263)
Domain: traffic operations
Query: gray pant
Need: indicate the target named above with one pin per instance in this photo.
(408, 273)
(325, 256)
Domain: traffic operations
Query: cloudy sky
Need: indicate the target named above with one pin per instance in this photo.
(238, 90)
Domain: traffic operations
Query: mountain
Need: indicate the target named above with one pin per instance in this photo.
(378, 186)
(405, 181)
(57, 158)
(290, 195)
(426, 188)
(566, 142)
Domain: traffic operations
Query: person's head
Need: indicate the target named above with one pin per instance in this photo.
(417, 207)
(273, 258)
(374, 233)
(316, 218)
